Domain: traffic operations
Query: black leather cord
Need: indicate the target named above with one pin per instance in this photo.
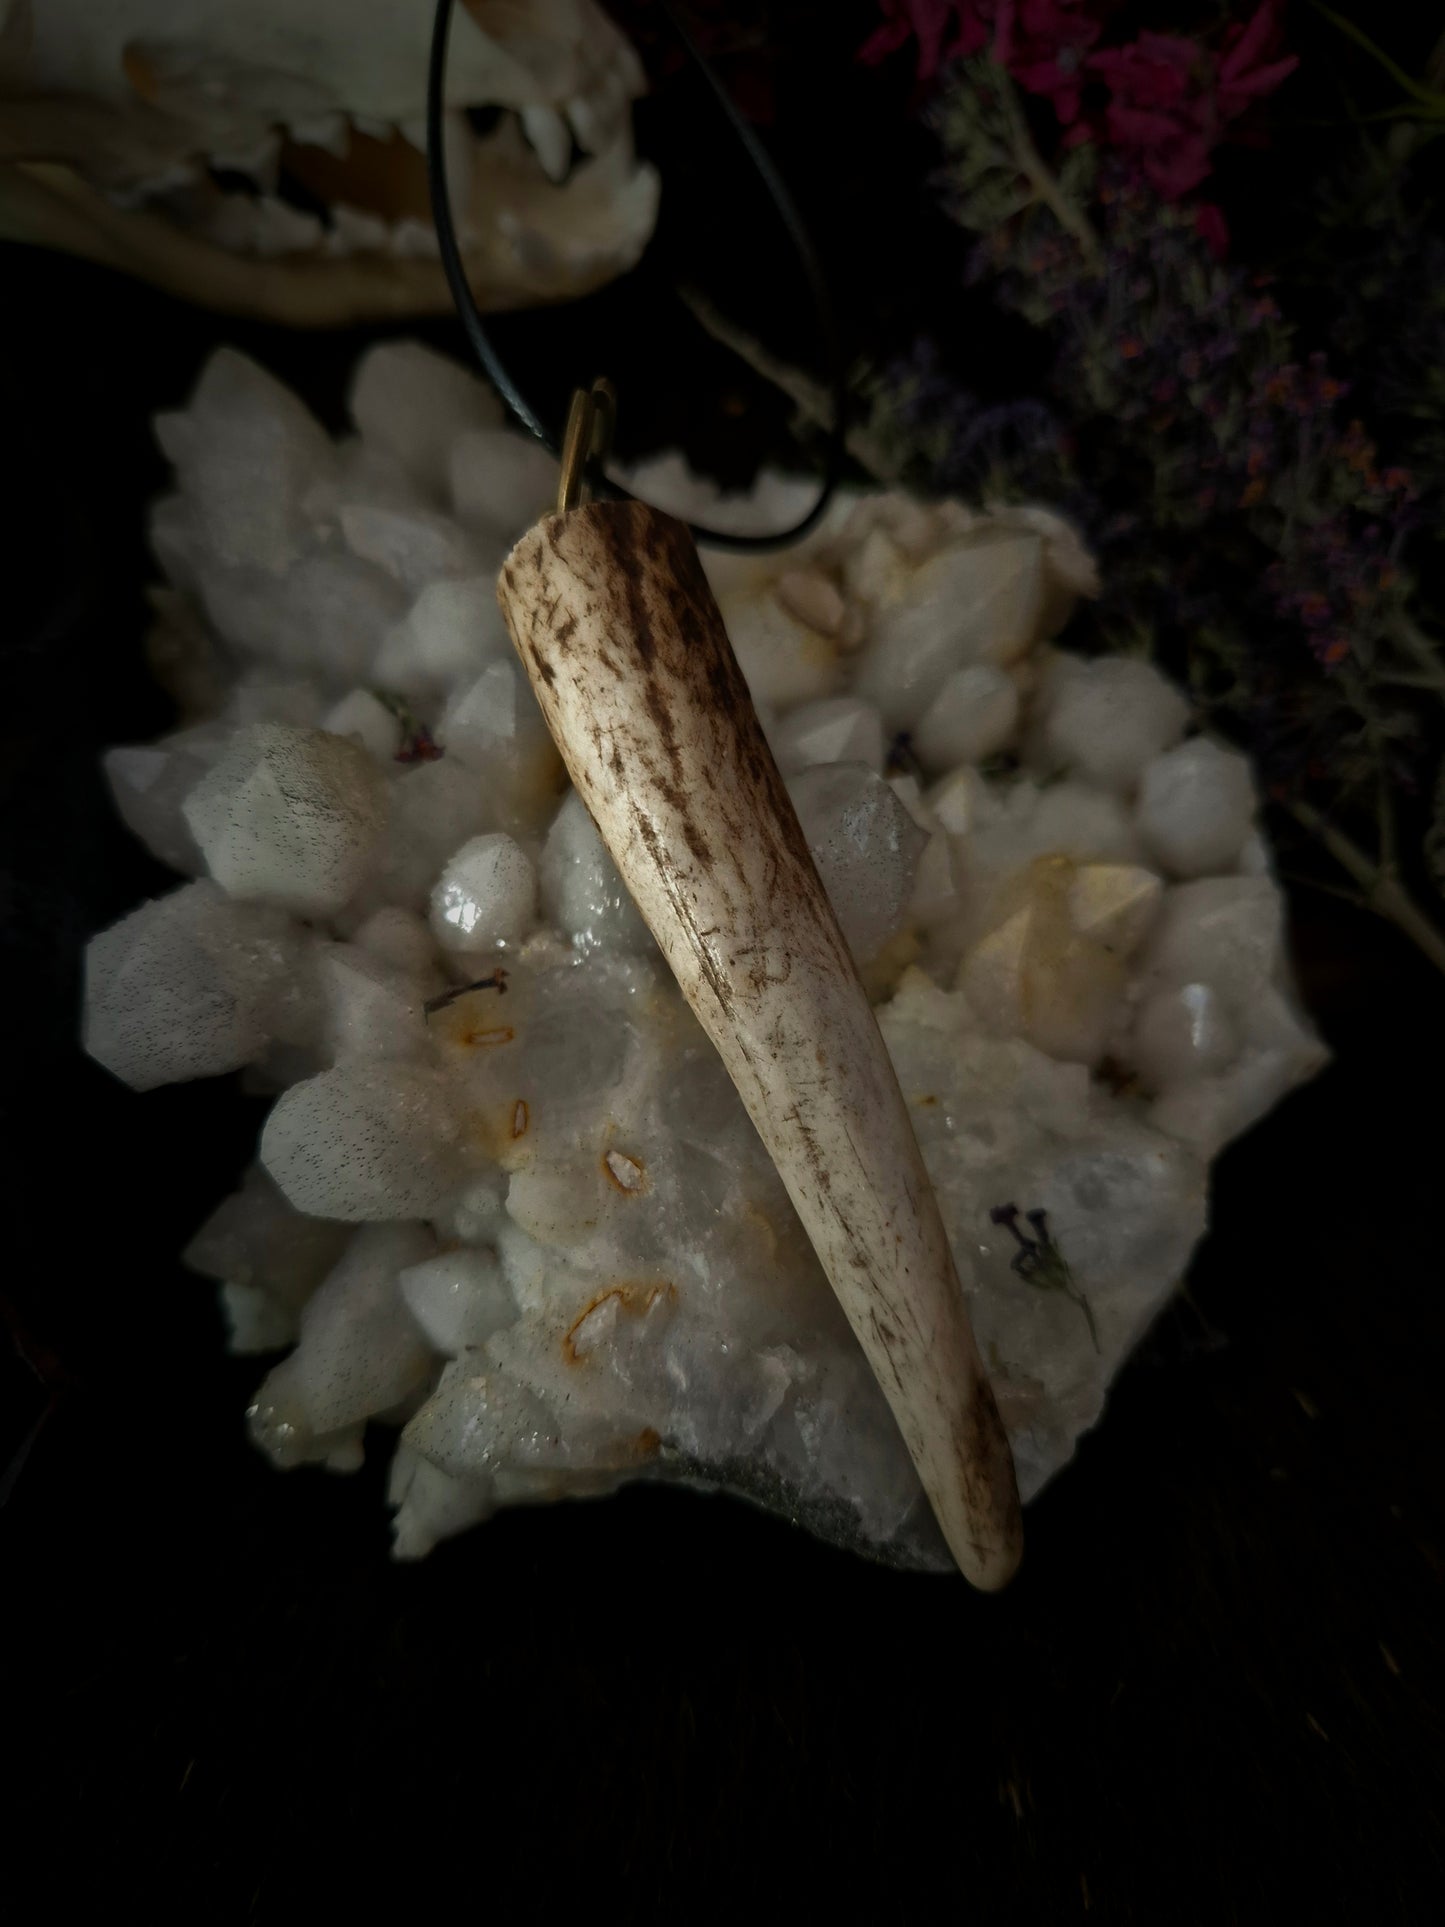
(475, 327)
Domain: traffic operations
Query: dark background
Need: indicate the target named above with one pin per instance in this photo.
(1214, 1692)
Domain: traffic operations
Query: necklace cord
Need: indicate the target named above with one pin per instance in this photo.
(484, 348)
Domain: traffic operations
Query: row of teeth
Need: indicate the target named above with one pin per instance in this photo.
(266, 226)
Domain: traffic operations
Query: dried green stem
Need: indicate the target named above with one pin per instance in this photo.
(1382, 891)
(1422, 651)
(1339, 891)
(1403, 680)
(1031, 165)
(810, 398)
(1384, 798)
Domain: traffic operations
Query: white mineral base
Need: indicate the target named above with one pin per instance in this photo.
(624, 645)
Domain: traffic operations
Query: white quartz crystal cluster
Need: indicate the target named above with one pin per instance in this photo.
(507, 1199)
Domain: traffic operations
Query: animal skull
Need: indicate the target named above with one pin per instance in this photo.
(267, 157)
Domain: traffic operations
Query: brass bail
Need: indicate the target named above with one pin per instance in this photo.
(585, 447)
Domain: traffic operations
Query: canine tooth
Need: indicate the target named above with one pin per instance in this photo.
(600, 113)
(585, 120)
(626, 651)
(550, 139)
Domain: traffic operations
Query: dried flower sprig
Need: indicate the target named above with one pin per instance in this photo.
(1249, 529)
(1039, 1261)
(1169, 101)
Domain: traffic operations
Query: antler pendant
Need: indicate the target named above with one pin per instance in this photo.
(613, 618)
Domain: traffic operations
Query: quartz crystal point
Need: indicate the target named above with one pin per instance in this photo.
(618, 630)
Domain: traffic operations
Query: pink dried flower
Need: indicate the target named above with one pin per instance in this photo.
(1042, 43)
(1159, 109)
(1172, 101)
(1155, 72)
(1242, 78)
(929, 21)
